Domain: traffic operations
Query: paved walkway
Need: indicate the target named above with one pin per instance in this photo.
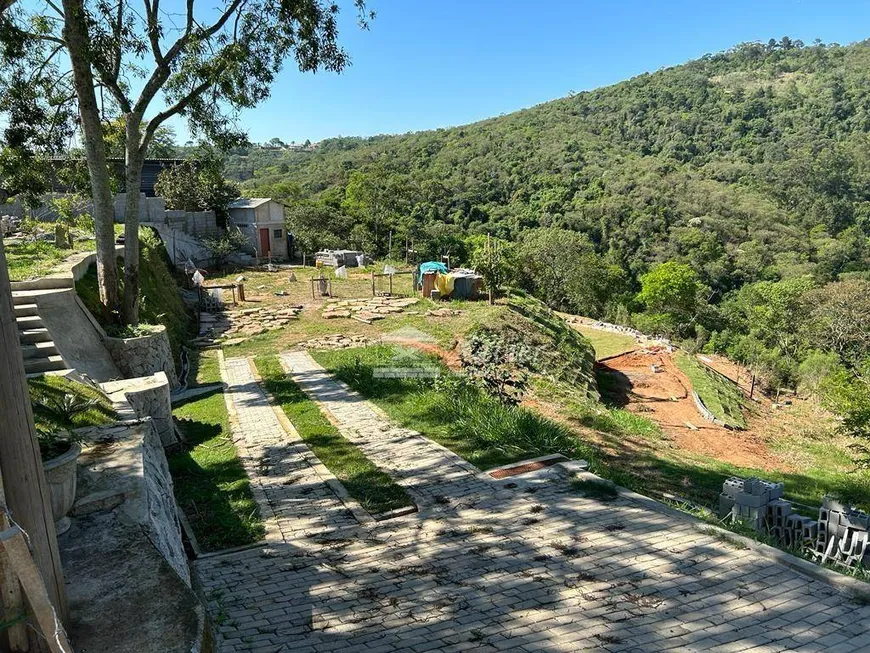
(434, 476)
(294, 500)
(517, 565)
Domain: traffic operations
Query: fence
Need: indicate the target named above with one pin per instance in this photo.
(384, 285)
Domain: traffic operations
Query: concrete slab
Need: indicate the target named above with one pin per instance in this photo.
(74, 334)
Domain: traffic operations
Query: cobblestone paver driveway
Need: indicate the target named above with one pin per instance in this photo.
(519, 565)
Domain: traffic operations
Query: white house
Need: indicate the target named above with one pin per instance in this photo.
(261, 219)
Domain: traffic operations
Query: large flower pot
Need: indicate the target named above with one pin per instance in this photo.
(60, 473)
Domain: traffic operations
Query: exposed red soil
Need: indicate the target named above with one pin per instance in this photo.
(664, 396)
(450, 357)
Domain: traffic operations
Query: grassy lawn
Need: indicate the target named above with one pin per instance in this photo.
(29, 260)
(60, 404)
(462, 418)
(204, 368)
(721, 396)
(262, 286)
(607, 344)
(374, 489)
(210, 483)
(445, 331)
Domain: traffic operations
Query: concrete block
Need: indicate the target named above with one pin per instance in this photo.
(726, 503)
(751, 500)
(832, 505)
(856, 519)
(732, 486)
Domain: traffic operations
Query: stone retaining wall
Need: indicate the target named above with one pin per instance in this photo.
(129, 583)
(705, 412)
(134, 466)
(148, 397)
(144, 355)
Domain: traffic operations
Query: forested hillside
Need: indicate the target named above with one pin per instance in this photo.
(747, 171)
(747, 164)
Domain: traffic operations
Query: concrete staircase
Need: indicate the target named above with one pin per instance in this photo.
(37, 346)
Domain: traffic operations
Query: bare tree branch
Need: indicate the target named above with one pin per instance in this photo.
(162, 71)
(57, 9)
(153, 27)
(175, 109)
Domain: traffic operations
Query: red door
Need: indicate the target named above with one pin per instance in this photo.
(264, 242)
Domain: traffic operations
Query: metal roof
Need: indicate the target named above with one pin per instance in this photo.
(249, 202)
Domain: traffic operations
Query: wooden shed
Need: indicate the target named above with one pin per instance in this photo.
(261, 219)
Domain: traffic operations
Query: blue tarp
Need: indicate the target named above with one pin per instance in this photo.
(432, 266)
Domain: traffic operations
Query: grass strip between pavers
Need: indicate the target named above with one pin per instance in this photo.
(375, 491)
(456, 415)
(211, 485)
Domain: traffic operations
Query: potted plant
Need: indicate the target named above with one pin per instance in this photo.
(60, 449)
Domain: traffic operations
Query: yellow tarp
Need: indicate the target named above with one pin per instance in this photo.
(444, 284)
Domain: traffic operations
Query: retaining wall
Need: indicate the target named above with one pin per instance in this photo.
(144, 355)
(148, 397)
(129, 583)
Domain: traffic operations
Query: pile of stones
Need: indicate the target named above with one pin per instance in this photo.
(337, 341)
(245, 323)
(366, 310)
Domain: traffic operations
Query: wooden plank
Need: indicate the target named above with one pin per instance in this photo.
(10, 588)
(20, 464)
(14, 546)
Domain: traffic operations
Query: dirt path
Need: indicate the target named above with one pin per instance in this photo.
(649, 383)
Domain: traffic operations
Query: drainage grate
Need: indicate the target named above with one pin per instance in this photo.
(524, 468)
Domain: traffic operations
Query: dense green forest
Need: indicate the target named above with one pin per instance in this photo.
(750, 164)
(747, 172)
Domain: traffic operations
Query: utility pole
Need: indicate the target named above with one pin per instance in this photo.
(24, 483)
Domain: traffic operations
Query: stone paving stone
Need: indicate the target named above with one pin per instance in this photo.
(433, 475)
(294, 501)
(473, 575)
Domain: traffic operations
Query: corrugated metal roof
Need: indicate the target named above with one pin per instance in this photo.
(249, 202)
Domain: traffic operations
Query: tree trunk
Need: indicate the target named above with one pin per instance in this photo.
(76, 37)
(24, 486)
(134, 160)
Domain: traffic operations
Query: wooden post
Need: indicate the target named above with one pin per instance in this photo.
(10, 588)
(20, 463)
(14, 547)
(241, 288)
(391, 285)
(373, 283)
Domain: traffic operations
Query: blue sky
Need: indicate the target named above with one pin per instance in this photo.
(433, 64)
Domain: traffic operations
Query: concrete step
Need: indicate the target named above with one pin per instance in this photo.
(19, 298)
(26, 310)
(39, 350)
(29, 296)
(29, 322)
(59, 372)
(45, 283)
(32, 336)
(45, 364)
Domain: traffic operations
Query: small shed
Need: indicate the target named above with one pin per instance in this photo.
(261, 219)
